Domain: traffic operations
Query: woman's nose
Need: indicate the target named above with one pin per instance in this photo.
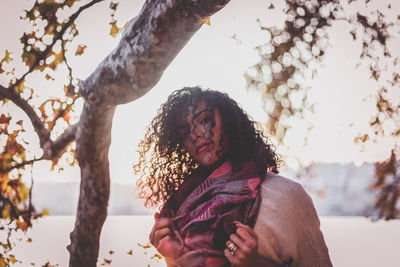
(196, 132)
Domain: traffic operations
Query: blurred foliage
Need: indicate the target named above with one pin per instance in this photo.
(388, 183)
(44, 51)
(292, 54)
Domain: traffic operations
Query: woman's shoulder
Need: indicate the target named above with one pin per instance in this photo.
(287, 224)
(279, 188)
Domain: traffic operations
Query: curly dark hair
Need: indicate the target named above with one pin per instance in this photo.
(164, 162)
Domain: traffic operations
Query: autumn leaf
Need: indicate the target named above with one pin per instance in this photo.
(106, 262)
(70, 2)
(12, 259)
(113, 6)
(66, 117)
(20, 87)
(48, 77)
(29, 240)
(130, 252)
(114, 29)
(3, 262)
(144, 246)
(22, 225)
(111, 252)
(45, 212)
(157, 256)
(7, 57)
(80, 49)
(4, 119)
(208, 22)
(271, 6)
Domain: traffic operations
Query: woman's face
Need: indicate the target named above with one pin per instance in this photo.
(204, 138)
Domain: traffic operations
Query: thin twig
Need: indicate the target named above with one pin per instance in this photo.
(19, 165)
(56, 38)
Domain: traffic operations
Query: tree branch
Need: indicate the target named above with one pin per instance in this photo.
(50, 149)
(44, 135)
(57, 37)
(19, 165)
(60, 144)
(148, 45)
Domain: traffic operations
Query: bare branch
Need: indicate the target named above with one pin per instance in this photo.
(50, 149)
(148, 45)
(19, 165)
(61, 143)
(44, 135)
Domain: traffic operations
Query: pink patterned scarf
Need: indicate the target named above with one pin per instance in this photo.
(204, 211)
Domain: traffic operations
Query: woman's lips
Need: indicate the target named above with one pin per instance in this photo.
(203, 146)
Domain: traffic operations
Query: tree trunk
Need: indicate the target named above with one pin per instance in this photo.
(93, 140)
(148, 45)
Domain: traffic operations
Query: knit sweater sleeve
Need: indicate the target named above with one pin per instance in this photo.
(287, 226)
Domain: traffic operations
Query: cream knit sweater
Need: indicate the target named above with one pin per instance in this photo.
(288, 227)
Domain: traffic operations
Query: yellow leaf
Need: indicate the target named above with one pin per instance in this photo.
(45, 212)
(2, 262)
(12, 259)
(20, 87)
(7, 57)
(208, 22)
(114, 29)
(130, 252)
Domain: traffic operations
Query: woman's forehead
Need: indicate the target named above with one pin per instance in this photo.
(195, 110)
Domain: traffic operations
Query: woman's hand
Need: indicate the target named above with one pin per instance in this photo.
(160, 237)
(245, 241)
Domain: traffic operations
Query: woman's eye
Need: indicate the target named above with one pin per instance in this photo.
(205, 120)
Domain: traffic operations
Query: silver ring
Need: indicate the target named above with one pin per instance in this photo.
(232, 248)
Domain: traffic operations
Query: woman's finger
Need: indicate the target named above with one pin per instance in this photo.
(247, 228)
(231, 258)
(237, 240)
(162, 222)
(160, 234)
(248, 239)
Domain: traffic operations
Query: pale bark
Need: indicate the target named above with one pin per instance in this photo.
(92, 141)
(150, 42)
(148, 45)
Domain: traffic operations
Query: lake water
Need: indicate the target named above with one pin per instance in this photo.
(352, 241)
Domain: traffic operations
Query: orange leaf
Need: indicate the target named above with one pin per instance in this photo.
(208, 22)
(48, 77)
(80, 49)
(4, 119)
(22, 225)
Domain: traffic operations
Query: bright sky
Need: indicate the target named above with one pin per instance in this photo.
(215, 60)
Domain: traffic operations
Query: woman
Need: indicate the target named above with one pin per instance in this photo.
(208, 166)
